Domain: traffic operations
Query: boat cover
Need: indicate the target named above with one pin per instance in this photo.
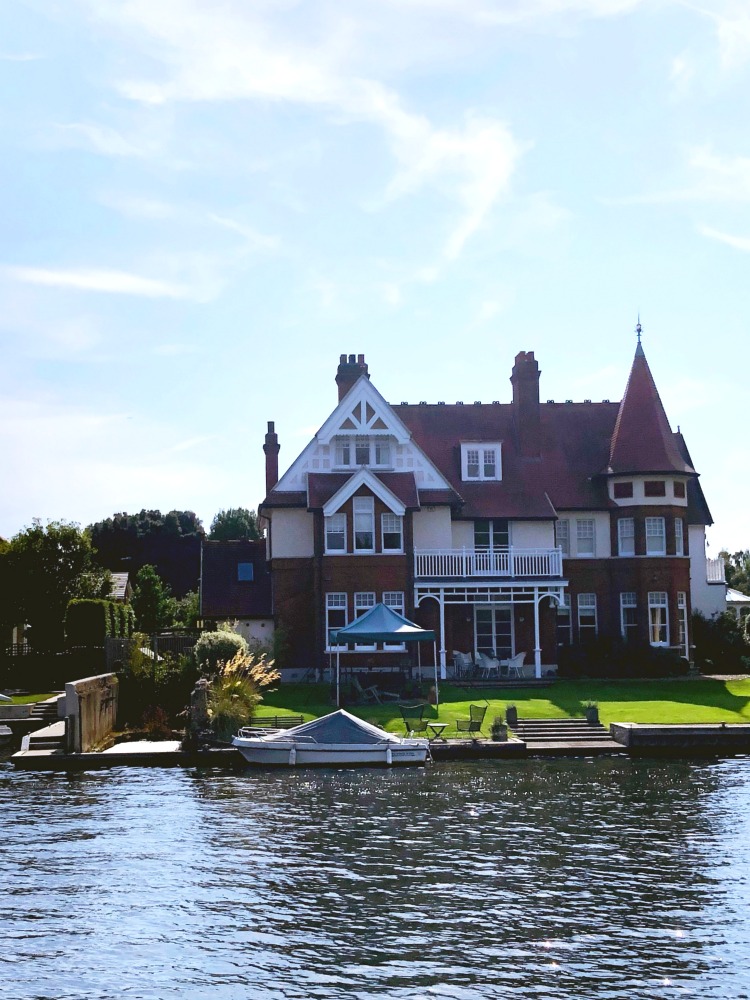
(338, 727)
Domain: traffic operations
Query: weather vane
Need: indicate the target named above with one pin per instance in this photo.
(638, 328)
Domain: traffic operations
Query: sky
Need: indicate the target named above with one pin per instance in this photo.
(204, 205)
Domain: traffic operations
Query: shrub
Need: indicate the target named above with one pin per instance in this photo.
(88, 621)
(607, 657)
(213, 648)
(236, 691)
(720, 644)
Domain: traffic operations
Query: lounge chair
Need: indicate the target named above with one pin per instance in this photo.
(373, 693)
(474, 723)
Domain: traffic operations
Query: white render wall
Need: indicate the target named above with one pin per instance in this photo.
(260, 629)
(602, 541)
(291, 534)
(639, 498)
(708, 598)
(463, 535)
(432, 528)
(532, 534)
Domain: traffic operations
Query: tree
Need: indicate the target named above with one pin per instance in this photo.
(737, 569)
(213, 648)
(44, 568)
(188, 610)
(234, 524)
(170, 542)
(152, 602)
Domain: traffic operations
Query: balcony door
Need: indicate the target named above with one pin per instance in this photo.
(491, 541)
(493, 631)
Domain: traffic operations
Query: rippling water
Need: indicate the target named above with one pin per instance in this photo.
(577, 879)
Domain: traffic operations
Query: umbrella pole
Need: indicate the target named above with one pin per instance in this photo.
(434, 658)
(338, 672)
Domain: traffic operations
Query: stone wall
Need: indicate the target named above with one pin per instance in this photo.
(91, 711)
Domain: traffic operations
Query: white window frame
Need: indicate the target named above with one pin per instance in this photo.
(562, 536)
(488, 462)
(584, 525)
(335, 602)
(382, 451)
(394, 599)
(623, 536)
(343, 446)
(586, 607)
(564, 627)
(335, 519)
(679, 537)
(399, 522)
(363, 507)
(682, 623)
(361, 445)
(628, 602)
(652, 534)
(363, 601)
(658, 617)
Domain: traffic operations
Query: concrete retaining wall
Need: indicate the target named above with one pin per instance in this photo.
(682, 739)
(91, 711)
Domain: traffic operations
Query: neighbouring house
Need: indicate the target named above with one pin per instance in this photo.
(235, 586)
(738, 603)
(122, 589)
(506, 527)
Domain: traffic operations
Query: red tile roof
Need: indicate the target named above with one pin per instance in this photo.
(222, 594)
(642, 441)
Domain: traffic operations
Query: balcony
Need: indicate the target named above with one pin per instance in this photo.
(466, 564)
(715, 571)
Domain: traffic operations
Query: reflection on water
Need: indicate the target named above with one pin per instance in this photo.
(576, 879)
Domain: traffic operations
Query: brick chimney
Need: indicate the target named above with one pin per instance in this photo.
(349, 370)
(271, 448)
(525, 381)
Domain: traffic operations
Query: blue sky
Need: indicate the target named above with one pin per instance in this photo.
(204, 205)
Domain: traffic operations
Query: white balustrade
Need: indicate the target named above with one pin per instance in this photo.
(715, 571)
(466, 563)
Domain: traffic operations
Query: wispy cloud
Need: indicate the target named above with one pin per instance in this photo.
(98, 280)
(106, 140)
(233, 54)
(716, 178)
(20, 56)
(736, 242)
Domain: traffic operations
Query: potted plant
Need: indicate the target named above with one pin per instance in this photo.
(591, 710)
(499, 730)
(511, 716)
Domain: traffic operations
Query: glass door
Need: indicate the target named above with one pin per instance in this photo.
(493, 631)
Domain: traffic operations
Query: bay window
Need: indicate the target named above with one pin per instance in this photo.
(394, 599)
(362, 603)
(628, 615)
(655, 536)
(679, 537)
(587, 626)
(626, 536)
(562, 536)
(335, 617)
(658, 622)
(585, 536)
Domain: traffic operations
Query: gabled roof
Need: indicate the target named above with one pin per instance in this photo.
(642, 441)
(395, 489)
(222, 594)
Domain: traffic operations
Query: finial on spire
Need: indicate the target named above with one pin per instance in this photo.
(638, 327)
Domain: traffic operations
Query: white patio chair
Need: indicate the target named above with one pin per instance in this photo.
(514, 664)
(488, 665)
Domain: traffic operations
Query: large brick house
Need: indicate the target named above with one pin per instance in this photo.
(505, 526)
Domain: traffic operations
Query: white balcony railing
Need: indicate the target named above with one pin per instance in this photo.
(461, 564)
(715, 571)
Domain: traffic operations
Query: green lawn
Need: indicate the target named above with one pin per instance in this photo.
(26, 699)
(667, 701)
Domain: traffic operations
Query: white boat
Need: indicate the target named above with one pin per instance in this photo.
(335, 739)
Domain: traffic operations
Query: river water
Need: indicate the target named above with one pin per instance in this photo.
(583, 878)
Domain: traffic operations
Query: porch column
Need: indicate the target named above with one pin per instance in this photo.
(537, 645)
(442, 635)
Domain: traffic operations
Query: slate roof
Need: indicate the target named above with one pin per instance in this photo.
(222, 594)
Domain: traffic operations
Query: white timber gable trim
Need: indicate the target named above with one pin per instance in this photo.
(363, 477)
(361, 415)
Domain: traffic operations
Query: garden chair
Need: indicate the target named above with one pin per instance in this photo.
(373, 693)
(474, 723)
(462, 663)
(513, 665)
(412, 716)
(488, 665)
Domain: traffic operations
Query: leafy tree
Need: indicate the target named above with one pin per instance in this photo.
(44, 568)
(170, 542)
(187, 610)
(233, 524)
(721, 645)
(737, 568)
(152, 602)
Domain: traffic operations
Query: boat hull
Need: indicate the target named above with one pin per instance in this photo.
(288, 753)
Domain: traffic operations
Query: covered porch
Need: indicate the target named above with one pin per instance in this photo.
(497, 619)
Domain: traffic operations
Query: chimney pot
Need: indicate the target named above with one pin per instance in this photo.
(350, 369)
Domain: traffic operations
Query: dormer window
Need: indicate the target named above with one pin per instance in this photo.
(480, 462)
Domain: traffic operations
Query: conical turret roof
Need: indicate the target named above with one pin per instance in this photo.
(642, 441)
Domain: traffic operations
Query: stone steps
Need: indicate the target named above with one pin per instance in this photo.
(50, 738)
(560, 731)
